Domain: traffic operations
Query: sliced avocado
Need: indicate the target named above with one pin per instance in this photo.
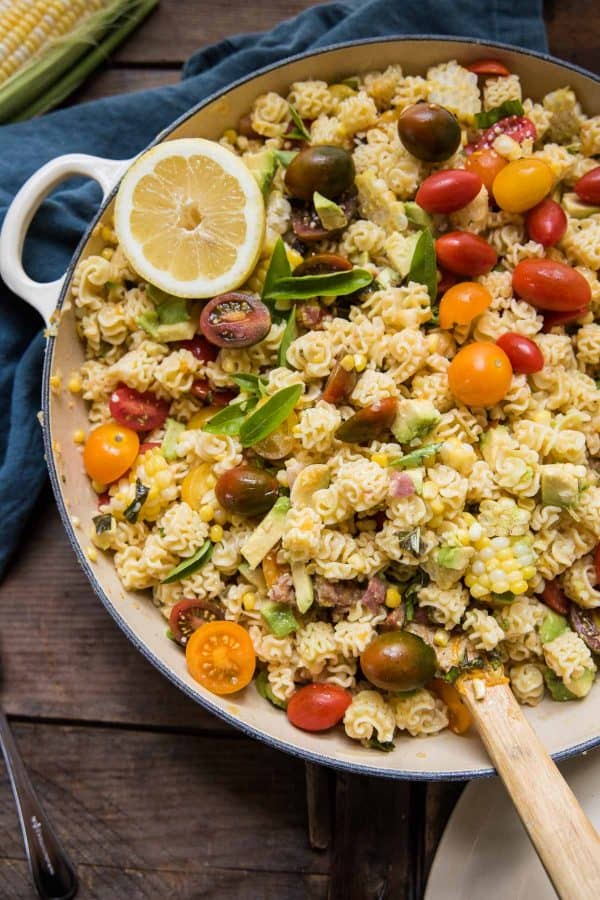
(303, 587)
(179, 331)
(171, 320)
(267, 534)
(254, 576)
(416, 215)
(556, 686)
(401, 252)
(169, 442)
(552, 626)
(582, 686)
(416, 476)
(279, 618)
(331, 215)
(266, 691)
(559, 486)
(263, 166)
(576, 208)
(414, 419)
(454, 557)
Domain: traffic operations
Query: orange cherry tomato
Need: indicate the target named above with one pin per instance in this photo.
(488, 67)
(109, 451)
(463, 302)
(522, 184)
(459, 717)
(480, 374)
(486, 164)
(220, 656)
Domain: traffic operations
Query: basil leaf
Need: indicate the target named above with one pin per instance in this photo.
(423, 264)
(229, 420)
(102, 523)
(290, 334)
(411, 460)
(262, 421)
(249, 383)
(301, 133)
(332, 284)
(188, 566)
(506, 109)
(284, 157)
(454, 671)
(279, 267)
(266, 691)
(385, 746)
(132, 512)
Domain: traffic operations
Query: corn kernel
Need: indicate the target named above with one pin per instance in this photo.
(230, 135)
(249, 600)
(74, 384)
(518, 587)
(360, 362)
(98, 487)
(206, 512)
(392, 598)
(481, 543)
(528, 572)
(441, 638)
(475, 532)
(55, 383)
(108, 253)
(79, 436)
(347, 362)
(293, 257)
(91, 554)
(108, 235)
(499, 587)
(381, 459)
(216, 534)
(477, 591)
(437, 506)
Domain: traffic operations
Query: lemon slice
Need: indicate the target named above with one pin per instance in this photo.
(190, 218)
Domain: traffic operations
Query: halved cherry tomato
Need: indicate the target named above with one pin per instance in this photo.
(480, 374)
(546, 223)
(271, 569)
(448, 191)
(109, 451)
(317, 707)
(551, 285)
(519, 128)
(465, 253)
(196, 484)
(148, 445)
(522, 184)
(488, 67)
(323, 263)
(220, 656)
(463, 302)
(587, 187)
(139, 411)
(201, 348)
(562, 318)
(459, 717)
(553, 596)
(188, 615)
(486, 164)
(203, 390)
(525, 355)
(340, 385)
(597, 563)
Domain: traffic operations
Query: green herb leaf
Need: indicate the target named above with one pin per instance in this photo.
(262, 421)
(412, 542)
(284, 157)
(411, 593)
(266, 691)
(452, 674)
(250, 384)
(301, 132)
(414, 459)
(190, 565)
(332, 284)
(279, 267)
(504, 598)
(132, 512)
(508, 108)
(229, 420)
(102, 523)
(423, 264)
(384, 746)
(289, 335)
(280, 618)
(352, 82)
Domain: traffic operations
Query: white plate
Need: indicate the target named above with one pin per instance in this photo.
(485, 853)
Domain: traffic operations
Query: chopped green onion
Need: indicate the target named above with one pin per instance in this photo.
(132, 512)
(190, 565)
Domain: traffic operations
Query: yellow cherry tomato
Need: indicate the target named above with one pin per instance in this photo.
(199, 419)
(196, 483)
(522, 184)
(463, 302)
(480, 374)
(109, 451)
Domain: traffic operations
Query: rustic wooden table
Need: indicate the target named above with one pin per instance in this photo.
(154, 797)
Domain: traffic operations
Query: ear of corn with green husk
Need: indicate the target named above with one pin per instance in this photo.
(48, 47)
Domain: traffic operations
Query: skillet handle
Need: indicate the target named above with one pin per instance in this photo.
(43, 296)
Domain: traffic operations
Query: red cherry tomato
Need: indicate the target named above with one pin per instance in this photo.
(465, 253)
(553, 597)
(488, 67)
(486, 164)
(148, 445)
(448, 191)
(588, 186)
(562, 318)
(551, 285)
(138, 411)
(525, 355)
(318, 707)
(597, 563)
(201, 348)
(546, 223)
(519, 128)
(447, 280)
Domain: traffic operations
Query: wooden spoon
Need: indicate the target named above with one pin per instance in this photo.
(563, 836)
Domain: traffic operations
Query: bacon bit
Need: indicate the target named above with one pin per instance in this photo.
(309, 315)
(374, 596)
(104, 499)
(401, 485)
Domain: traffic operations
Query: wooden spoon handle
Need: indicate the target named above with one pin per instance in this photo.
(563, 836)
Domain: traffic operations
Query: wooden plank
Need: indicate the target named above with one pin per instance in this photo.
(440, 800)
(110, 81)
(574, 31)
(131, 801)
(318, 805)
(64, 657)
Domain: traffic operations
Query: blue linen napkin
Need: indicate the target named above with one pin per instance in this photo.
(119, 127)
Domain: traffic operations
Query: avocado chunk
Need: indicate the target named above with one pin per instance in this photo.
(416, 476)
(582, 686)
(560, 486)
(416, 215)
(169, 442)
(263, 166)
(280, 618)
(401, 253)
(331, 215)
(414, 419)
(556, 686)
(454, 557)
(267, 534)
(303, 587)
(552, 626)
(576, 208)
(171, 319)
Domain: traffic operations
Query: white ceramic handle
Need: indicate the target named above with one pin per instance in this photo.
(43, 296)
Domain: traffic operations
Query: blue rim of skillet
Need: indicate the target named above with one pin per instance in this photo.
(309, 756)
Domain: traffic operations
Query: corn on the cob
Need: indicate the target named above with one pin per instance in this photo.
(500, 564)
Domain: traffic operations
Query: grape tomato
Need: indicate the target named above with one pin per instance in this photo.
(522, 184)
(318, 707)
(463, 302)
(465, 254)
(551, 285)
(546, 223)
(488, 67)
(524, 354)
(587, 187)
(486, 164)
(448, 191)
